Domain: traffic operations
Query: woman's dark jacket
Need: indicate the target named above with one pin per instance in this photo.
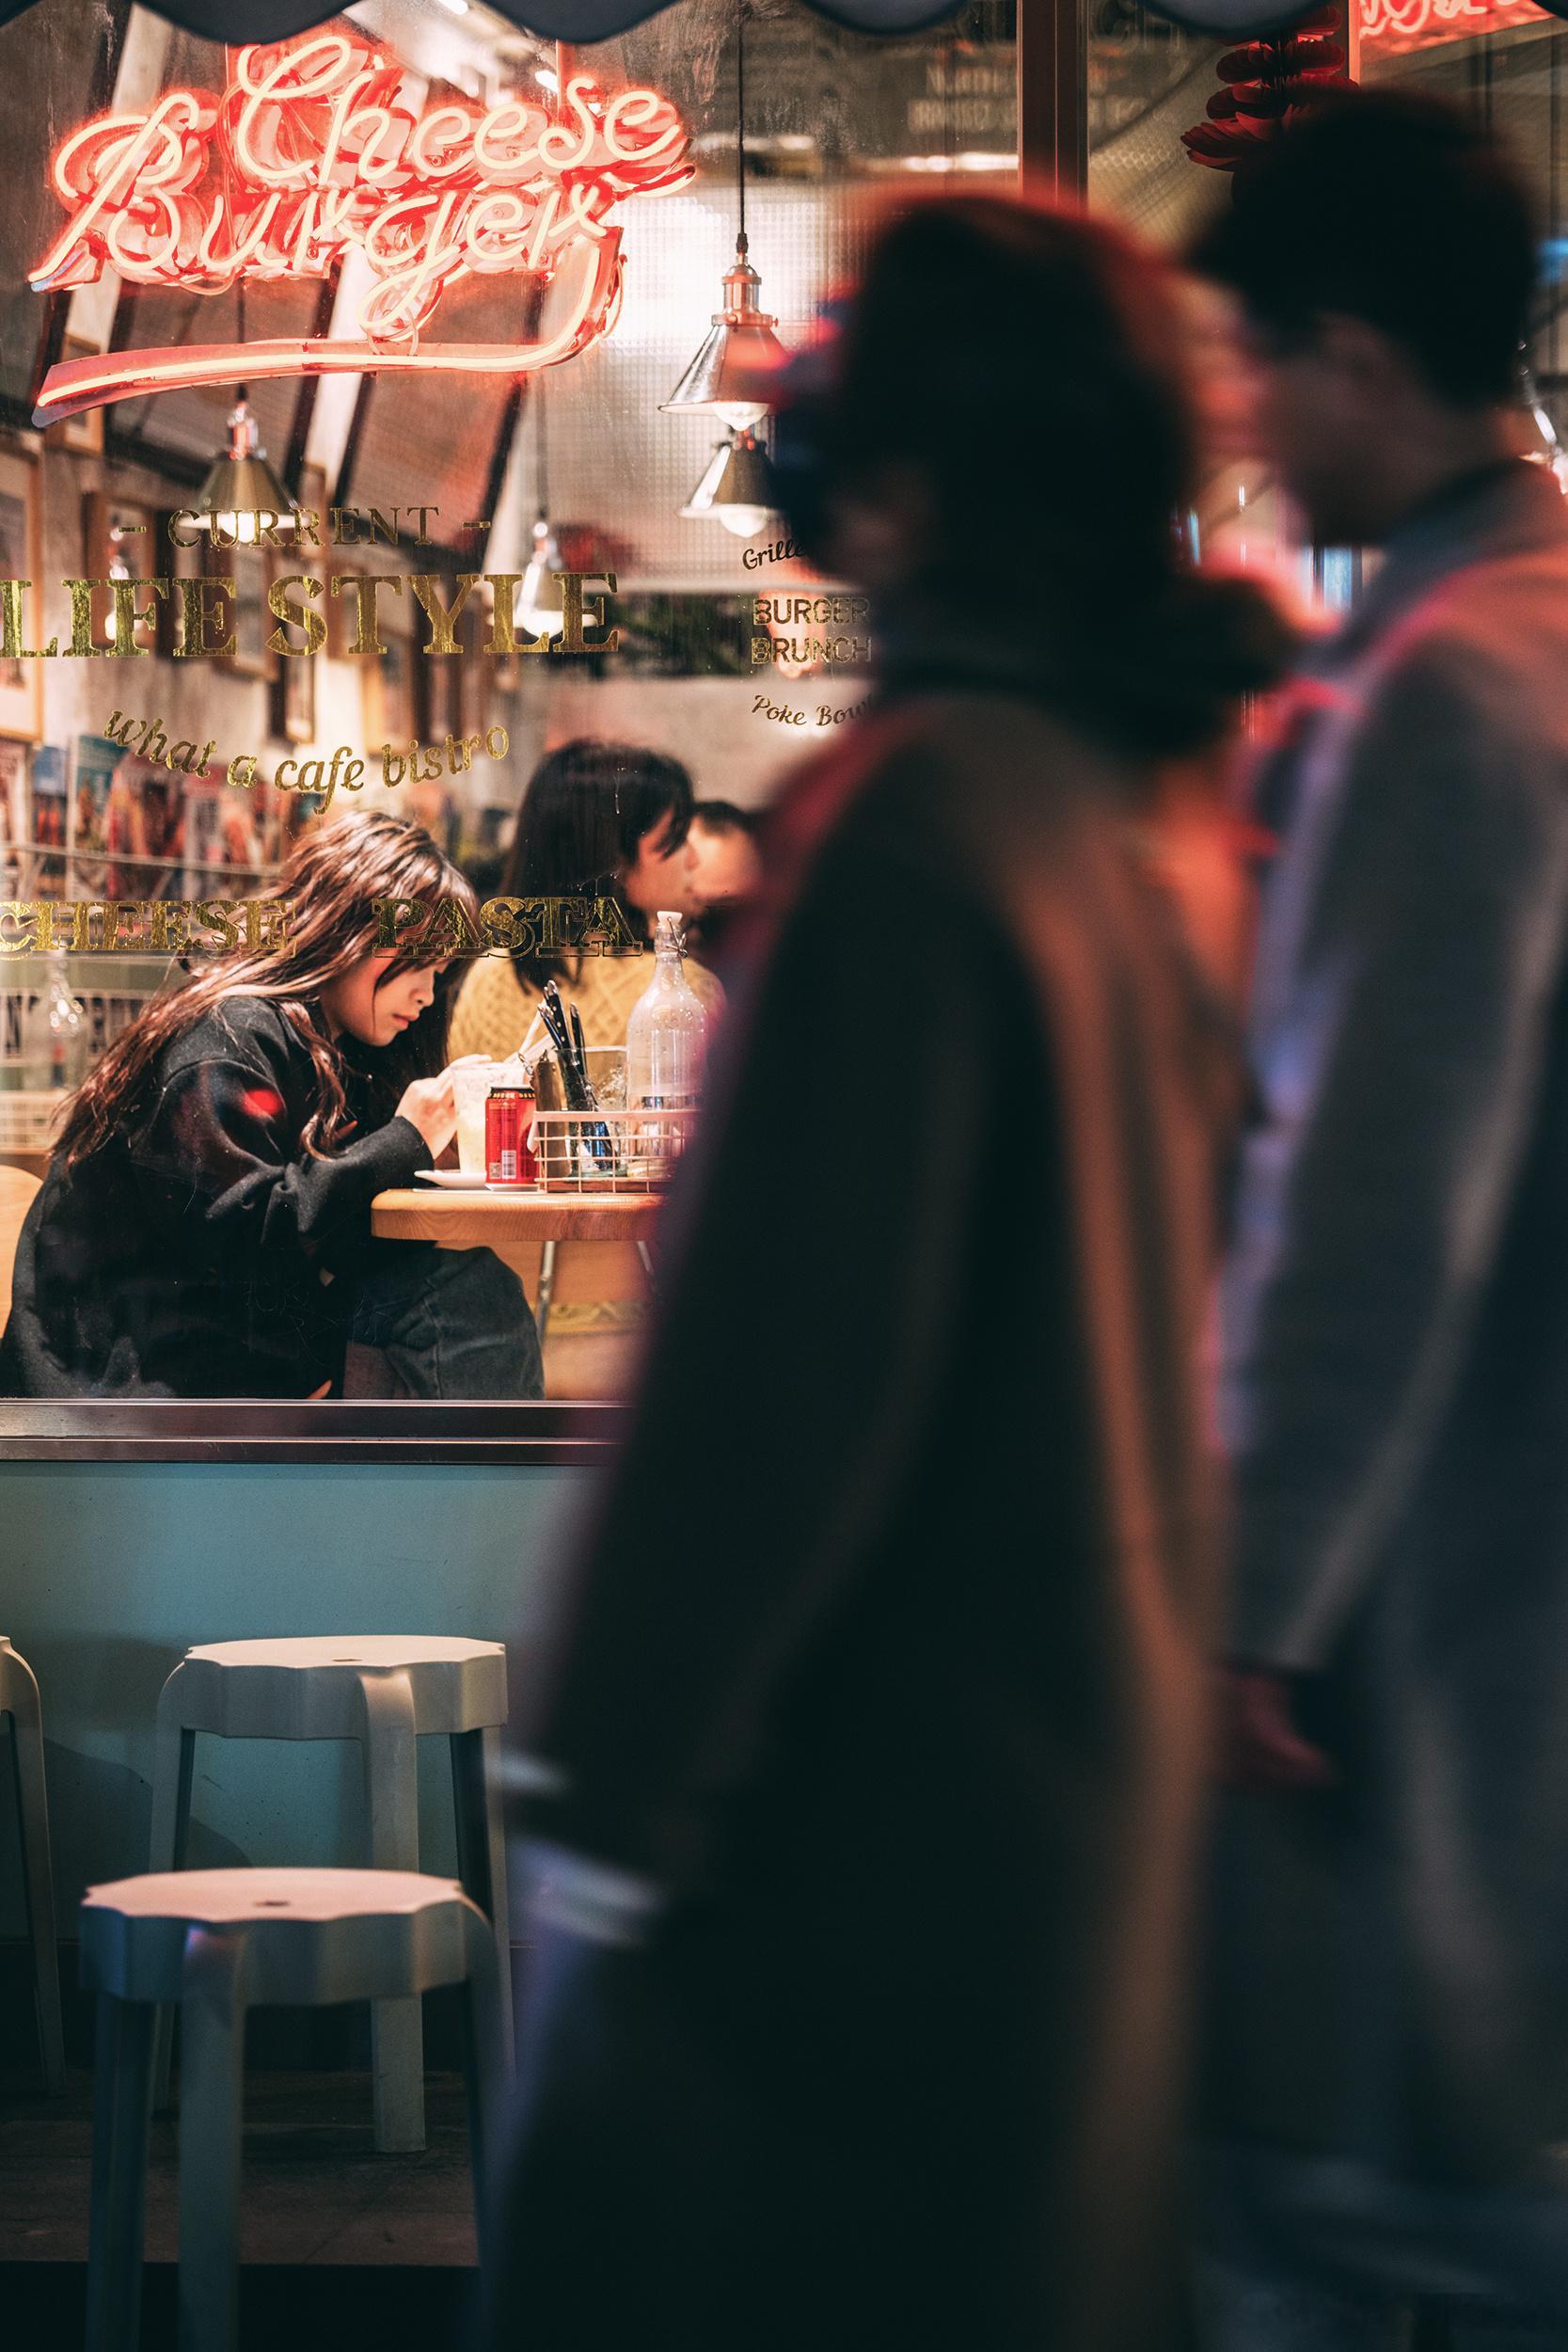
(201, 1251)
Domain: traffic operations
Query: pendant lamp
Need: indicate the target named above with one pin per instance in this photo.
(242, 492)
(728, 378)
(539, 606)
(737, 353)
(735, 490)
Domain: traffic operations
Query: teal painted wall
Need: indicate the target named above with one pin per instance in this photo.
(109, 1571)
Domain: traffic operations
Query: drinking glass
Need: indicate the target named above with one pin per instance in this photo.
(470, 1087)
(606, 1075)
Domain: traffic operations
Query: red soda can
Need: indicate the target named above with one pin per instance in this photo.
(508, 1118)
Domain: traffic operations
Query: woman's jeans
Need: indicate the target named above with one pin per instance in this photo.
(450, 1323)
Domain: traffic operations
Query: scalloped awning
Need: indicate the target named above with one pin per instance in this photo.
(238, 20)
(587, 20)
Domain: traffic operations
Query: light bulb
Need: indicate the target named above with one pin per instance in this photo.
(745, 521)
(243, 526)
(741, 416)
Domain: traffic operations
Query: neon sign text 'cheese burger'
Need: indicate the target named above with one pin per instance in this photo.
(308, 157)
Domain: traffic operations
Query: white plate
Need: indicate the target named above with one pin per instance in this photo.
(450, 1179)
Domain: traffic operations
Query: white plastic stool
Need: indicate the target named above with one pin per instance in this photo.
(18, 1699)
(383, 1690)
(218, 1942)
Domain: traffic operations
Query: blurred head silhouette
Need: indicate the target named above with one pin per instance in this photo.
(999, 431)
(1383, 254)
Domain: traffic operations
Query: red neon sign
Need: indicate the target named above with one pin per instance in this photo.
(1391, 26)
(308, 159)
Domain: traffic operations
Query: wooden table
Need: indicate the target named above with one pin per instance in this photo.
(524, 1229)
(468, 1221)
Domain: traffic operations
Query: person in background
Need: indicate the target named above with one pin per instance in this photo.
(1389, 2067)
(204, 1229)
(597, 820)
(865, 1794)
(727, 872)
(728, 864)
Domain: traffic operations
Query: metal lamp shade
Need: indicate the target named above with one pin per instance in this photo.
(732, 374)
(241, 491)
(240, 495)
(736, 489)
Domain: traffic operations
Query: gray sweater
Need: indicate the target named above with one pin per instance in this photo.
(1392, 1958)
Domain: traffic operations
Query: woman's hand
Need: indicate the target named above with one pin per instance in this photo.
(431, 1106)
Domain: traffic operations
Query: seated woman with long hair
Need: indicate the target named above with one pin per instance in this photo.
(597, 820)
(205, 1226)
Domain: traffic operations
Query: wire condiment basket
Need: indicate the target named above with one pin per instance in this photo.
(611, 1151)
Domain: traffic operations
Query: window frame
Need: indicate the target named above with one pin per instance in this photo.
(551, 1434)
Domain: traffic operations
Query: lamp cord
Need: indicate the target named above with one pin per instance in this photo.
(242, 391)
(740, 119)
(543, 450)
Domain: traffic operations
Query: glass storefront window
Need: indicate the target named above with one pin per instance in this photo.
(1149, 81)
(147, 804)
(1505, 61)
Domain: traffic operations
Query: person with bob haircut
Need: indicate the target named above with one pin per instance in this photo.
(204, 1229)
(597, 820)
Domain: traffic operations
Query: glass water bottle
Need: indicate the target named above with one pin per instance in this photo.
(666, 1038)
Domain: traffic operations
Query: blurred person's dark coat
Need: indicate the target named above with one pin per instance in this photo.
(886, 1661)
(1391, 1954)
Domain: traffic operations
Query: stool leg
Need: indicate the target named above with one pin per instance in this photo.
(481, 1852)
(122, 2086)
(32, 1812)
(485, 2063)
(213, 2006)
(544, 1291)
(392, 1796)
(173, 1763)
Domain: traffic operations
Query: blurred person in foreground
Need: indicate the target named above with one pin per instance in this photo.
(867, 1791)
(1390, 2026)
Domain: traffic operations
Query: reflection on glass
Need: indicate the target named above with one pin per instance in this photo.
(389, 687)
